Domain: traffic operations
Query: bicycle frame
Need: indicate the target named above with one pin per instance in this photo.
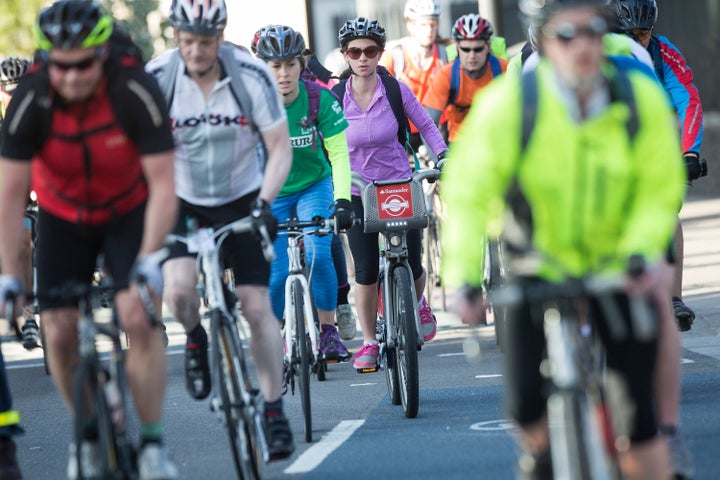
(206, 243)
(296, 273)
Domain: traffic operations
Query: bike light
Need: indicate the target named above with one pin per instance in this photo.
(395, 240)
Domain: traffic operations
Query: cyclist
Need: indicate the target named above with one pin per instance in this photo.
(416, 58)
(474, 68)
(315, 179)
(12, 69)
(565, 219)
(637, 19)
(344, 316)
(219, 178)
(377, 154)
(85, 110)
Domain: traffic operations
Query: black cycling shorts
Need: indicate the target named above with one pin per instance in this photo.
(241, 252)
(526, 389)
(365, 252)
(68, 252)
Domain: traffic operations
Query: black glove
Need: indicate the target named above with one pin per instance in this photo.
(696, 166)
(343, 214)
(262, 216)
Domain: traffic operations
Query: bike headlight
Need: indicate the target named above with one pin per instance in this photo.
(395, 240)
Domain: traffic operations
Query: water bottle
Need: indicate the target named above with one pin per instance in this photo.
(114, 401)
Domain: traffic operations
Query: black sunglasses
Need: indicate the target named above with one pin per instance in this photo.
(567, 32)
(370, 52)
(80, 65)
(474, 50)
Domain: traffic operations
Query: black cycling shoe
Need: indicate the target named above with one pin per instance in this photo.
(279, 436)
(30, 334)
(684, 315)
(197, 371)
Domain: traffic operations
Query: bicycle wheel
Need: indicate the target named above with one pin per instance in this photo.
(406, 354)
(433, 255)
(388, 353)
(90, 403)
(494, 280)
(578, 448)
(232, 379)
(302, 358)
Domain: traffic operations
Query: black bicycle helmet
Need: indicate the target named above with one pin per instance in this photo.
(361, 27)
(278, 42)
(472, 27)
(11, 71)
(537, 12)
(203, 17)
(631, 14)
(72, 24)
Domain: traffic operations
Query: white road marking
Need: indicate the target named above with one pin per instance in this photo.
(362, 384)
(489, 375)
(451, 354)
(314, 456)
(686, 360)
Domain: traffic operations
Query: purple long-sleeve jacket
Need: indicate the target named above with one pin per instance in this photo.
(372, 135)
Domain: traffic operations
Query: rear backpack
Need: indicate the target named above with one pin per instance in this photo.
(392, 88)
(314, 90)
(495, 69)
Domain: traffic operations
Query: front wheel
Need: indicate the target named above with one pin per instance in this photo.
(302, 355)
(406, 354)
(232, 378)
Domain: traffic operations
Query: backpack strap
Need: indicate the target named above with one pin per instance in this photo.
(621, 89)
(392, 88)
(166, 76)
(311, 121)
(495, 67)
(529, 92)
(232, 66)
(339, 91)
(454, 81)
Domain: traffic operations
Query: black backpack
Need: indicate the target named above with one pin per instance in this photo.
(392, 87)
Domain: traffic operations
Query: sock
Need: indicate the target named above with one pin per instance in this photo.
(342, 296)
(196, 337)
(274, 409)
(370, 342)
(151, 433)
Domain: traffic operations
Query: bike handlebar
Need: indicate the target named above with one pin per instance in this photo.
(429, 174)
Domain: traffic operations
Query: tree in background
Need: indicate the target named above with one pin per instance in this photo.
(141, 18)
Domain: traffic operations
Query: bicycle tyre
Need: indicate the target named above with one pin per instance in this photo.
(433, 254)
(406, 353)
(43, 344)
(230, 363)
(87, 387)
(494, 281)
(302, 356)
(576, 436)
(388, 353)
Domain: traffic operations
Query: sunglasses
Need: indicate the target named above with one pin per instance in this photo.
(80, 65)
(474, 50)
(567, 32)
(370, 52)
(640, 34)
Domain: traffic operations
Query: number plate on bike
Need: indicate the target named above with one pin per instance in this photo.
(202, 239)
(394, 206)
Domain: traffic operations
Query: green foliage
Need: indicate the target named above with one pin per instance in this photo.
(16, 21)
(18, 17)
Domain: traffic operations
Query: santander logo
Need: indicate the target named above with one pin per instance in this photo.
(394, 202)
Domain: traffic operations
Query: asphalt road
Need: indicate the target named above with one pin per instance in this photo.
(460, 432)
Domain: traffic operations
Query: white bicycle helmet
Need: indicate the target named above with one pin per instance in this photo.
(204, 17)
(472, 27)
(11, 71)
(417, 9)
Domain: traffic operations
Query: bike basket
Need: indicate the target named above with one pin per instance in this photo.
(394, 205)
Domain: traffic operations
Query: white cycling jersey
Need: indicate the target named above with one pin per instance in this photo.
(219, 155)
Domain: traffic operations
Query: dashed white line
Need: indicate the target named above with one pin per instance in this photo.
(314, 456)
(362, 384)
(489, 375)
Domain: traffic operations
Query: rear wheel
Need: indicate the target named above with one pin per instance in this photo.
(406, 354)
(303, 356)
(232, 378)
(494, 274)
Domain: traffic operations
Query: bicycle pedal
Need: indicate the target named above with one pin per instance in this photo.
(368, 369)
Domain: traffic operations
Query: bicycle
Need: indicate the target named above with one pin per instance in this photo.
(585, 407)
(234, 398)
(432, 247)
(392, 208)
(100, 390)
(301, 329)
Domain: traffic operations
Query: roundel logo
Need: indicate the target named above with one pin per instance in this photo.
(395, 202)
